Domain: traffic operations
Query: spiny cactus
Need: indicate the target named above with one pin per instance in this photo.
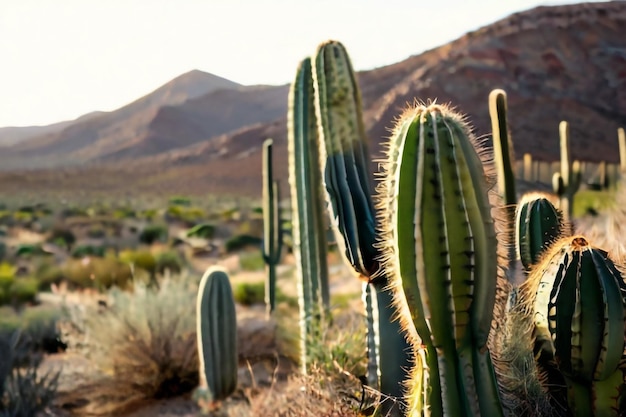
(272, 232)
(217, 338)
(440, 246)
(307, 199)
(538, 224)
(577, 299)
(345, 165)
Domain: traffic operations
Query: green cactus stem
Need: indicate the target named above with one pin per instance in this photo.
(577, 295)
(502, 146)
(307, 203)
(621, 140)
(566, 182)
(538, 224)
(440, 247)
(217, 338)
(272, 232)
(345, 166)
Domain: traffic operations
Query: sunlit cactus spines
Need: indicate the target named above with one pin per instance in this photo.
(217, 338)
(577, 297)
(440, 248)
(344, 156)
(307, 204)
(538, 223)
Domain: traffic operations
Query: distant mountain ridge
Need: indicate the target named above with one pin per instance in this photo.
(556, 63)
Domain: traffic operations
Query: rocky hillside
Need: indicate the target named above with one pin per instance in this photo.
(556, 63)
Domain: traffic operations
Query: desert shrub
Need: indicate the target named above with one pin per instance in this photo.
(24, 392)
(188, 215)
(142, 259)
(3, 250)
(179, 201)
(7, 277)
(250, 293)
(124, 213)
(169, 261)
(145, 344)
(100, 273)
(23, 290)
(251, 260)
(88, 250)
(29, 249)
(148, 214)
(202, 230)
(62, 236)
(153, 233)
(238, 242)
(48, 273)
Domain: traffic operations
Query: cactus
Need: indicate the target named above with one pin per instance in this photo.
(309, 243)
(528, 172)
(344, 161)
(444, 267)
(538, 224)
(272, 232)
(577, 299)
(566, 182)
(621, 140)
(217, 338)
(503, 157)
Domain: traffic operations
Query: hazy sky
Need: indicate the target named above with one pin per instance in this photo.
(60, 59)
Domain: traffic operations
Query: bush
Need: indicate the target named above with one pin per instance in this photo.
(169, 261)
(241, 241)
(153, 233)
(23, 290)
(251, 260)
(88, 250)
(145, 344)
(100, 273)
(62, 236)
(24, 392)
(202, 230)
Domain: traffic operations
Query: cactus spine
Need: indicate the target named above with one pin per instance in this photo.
(217, 338)
(444, 266)
(309, 235)
(577, 296)
(272, 232)
(538, 224)
(344, 160)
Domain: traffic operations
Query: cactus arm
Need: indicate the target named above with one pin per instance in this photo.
(217, 335)
(343, 156)
(502, 146)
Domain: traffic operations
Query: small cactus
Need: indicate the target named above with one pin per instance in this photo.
(578, 302)
(217, 338)
(538, 224)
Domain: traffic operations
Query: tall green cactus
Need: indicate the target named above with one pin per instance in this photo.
(440, 247)
(566, 183)
(621, 140)
(272, 231)
(307, 203)
(538, 224)
(345, 164)
(504, 158)
(217, 338)
(578, 296)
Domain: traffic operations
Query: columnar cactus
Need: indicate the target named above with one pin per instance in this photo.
(440, 247)
(577, 297)
(272, 231)
(217, 338)
(621, 140)
(307, 203)
(345, 165)
(537, 225)
(566, 182)
(529, 174)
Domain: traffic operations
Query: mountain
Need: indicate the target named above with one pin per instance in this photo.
(109, 132)
(556, 63)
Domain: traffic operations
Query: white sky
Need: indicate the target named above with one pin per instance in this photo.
(60, 59)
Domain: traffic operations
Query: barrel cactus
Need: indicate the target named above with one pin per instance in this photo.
(217, 338)
(576, 297)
